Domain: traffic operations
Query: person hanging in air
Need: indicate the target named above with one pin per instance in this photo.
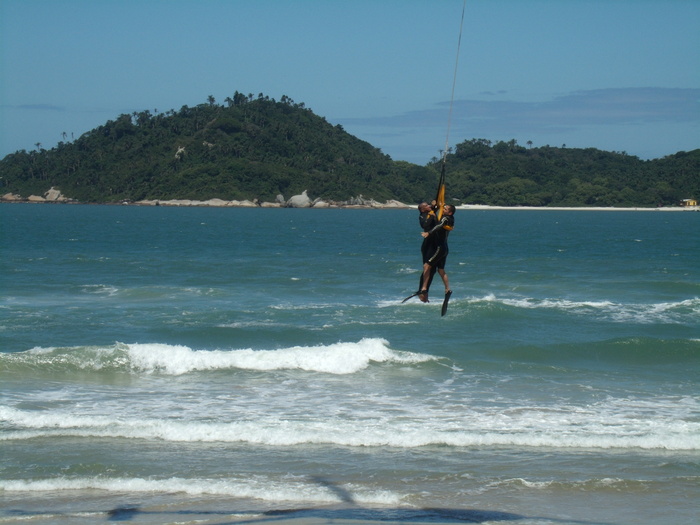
(436, 251)
(428, 220)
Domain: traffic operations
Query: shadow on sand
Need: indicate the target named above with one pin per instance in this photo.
(347, 511)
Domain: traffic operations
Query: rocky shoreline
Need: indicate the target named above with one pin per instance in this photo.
(297, 201)
(304, 201)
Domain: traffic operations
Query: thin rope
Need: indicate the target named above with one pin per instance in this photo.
(454, 82)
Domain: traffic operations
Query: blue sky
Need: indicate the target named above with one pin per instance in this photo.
(619, 75)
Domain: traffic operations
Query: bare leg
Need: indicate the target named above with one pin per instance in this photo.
(427, 277)
(445, 280)
(422, 285)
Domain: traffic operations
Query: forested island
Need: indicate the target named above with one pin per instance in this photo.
(258, 149)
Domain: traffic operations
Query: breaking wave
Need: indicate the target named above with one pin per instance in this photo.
(299, 490)
(603, 427)
(338, 358)
(641, 313)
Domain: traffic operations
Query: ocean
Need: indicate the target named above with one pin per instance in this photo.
(236, 365)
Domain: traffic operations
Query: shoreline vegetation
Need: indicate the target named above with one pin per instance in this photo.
(303, 201)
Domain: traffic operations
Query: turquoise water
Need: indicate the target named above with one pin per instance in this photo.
(165, 364)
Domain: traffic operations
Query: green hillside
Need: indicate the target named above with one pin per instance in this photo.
(258, 148)
(507, 174)
(248, 148)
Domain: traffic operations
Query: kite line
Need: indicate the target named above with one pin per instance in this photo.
(440, 198)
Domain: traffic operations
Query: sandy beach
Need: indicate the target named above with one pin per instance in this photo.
(218, 511)
(561, 208)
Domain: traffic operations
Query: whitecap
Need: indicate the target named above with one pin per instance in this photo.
(257, 487)
(338, 358)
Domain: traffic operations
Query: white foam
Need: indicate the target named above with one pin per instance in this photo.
(338, 358)
(602, 427)
(298, 489)
(563, 304)
(38, 350)
(101, 289)
(50, 420)
(584, 484)
(643, 313)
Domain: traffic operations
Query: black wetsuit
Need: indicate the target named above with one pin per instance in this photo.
(428, 221)
(437, 253)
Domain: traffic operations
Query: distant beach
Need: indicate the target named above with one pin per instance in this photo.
(562, 208)
(354, 203)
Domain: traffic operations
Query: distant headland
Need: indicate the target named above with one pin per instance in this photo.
(249, 151)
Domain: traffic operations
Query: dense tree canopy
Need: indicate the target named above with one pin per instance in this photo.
(510, 175)
(251, 147)
(255, 147)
